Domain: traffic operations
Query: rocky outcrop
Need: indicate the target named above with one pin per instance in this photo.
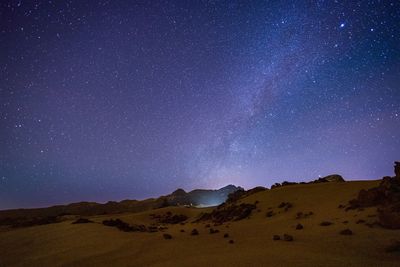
(333, 178)
(82, 220)
(386, 197)
(169, 218)
(397, 169)
(228, 212)
(123, 226)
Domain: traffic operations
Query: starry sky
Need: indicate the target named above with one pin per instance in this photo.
(109, 100)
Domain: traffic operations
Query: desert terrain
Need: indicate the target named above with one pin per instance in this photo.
(168, 237)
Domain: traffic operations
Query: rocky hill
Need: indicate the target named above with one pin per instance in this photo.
(198, 197)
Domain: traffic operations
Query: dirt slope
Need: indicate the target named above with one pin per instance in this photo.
(93, 244)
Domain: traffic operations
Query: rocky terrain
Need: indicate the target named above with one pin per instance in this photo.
(30, 217)
(326, 222)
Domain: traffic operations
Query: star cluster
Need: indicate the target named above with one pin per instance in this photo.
(107, 100)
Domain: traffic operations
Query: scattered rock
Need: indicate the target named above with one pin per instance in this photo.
(207, 226)
(194, 232)
(170, 218)
(386, 197)
(228, 212)
(360, 221)
(123, 226)
(167, 236)
(299, 226)
(325, 223)
(276, 237)
(287, 237)
(152, 229)
(270, 213)
(285, 205)
(346, 232)
(301, 215)
(82, 220)
(213, 231)
(345, 222)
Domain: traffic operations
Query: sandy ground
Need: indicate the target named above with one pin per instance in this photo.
(66, 244)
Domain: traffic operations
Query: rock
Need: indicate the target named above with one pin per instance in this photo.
(276, 185)
(270, 213)
(82, 220)
(299, 226)
(231, 241)
(386, 197)
(389, 217)
(346, 232)
(286, 183)
(228, 212)
(226, 235)
(287, 237)
(182, 231)
(152, 229)
(276, 237)
(325, 223)
(170, 218)
(360, 221)
(397, 169)
(213, 231)
(207, 225)
(394, 246)
(123, 226)
(167, 236)
(333, 178)
(194, 232)
(285, 205)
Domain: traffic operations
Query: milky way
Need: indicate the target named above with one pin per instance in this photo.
(108, 100)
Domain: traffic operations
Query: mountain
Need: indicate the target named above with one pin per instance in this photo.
(198, 197)
(201, 197)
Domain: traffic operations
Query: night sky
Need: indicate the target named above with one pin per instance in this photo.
(109, 100)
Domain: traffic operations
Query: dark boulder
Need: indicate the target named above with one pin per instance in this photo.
(397, 169)
(325, 223)
(393, 247)
(123, 226)
(299, 226)
(346, 232)
(287, 237)
(194, 232)
(213, 231)
(229, 212)
(167, 236)
(82, 220)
